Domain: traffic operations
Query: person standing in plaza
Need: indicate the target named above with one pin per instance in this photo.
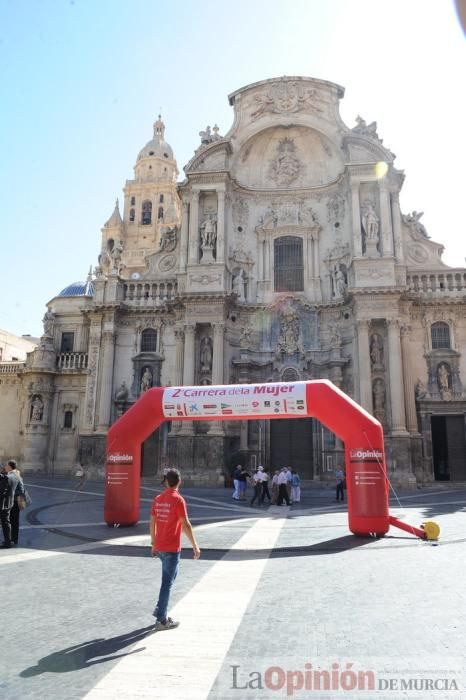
(276, 474)
(295, 487)
(282, 490)
(8, 483)
(243, 482)
(289, 479)
(265, 488)
(340, 484)
(169, 517)
(236, 476)
(257, 479)
(15, 509)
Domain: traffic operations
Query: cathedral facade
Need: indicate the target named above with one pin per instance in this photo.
(282, 256)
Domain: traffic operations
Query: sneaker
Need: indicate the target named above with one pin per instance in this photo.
(168, 625)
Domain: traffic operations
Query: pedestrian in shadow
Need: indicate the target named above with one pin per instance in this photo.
(340, 484)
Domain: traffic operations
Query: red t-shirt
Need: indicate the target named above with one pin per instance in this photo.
(167, 508)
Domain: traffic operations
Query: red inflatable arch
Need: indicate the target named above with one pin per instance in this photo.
(367, 486)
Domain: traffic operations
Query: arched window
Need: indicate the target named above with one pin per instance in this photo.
(288, 264)
(146, 217)
(68, 419)
(161, 199)
(160, 214)
(149, 340)
(440, 334)
(132, 214)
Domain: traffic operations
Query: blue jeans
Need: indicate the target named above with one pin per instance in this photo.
(170, 562)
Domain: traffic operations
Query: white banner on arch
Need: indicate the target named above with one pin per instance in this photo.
(280, 399)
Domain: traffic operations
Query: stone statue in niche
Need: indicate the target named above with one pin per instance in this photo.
(208, 232)
(206, 354)
(48, 321)
(443, 377)
(378, 393)
(285, 167)
(376, 351)
(417, 229)
(146, 379)
(37, 409)
(420, 390)
(238, 285)
(168, 240)
(370, 222)
(116, 254)
(339, 282)
(121, 394)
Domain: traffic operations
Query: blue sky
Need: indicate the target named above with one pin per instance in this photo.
(83, 81)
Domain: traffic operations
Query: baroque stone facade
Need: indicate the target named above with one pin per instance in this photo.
(283, 255)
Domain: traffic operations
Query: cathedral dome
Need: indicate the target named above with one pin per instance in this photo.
(157, 147)
(78, 289)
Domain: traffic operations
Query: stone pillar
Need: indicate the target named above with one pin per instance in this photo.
(268, 265)
(216, 427)
(385, 222)
(188, 369)
(357, 239)
(260, 261)
(91, 383)
(396, 377)
(220, 226)
(179, 351)
(408, 385)
(365, 388)
(397, 234)
(184, 235)
(315, 248)
(194, 229)
(106, 384)
(188, 362)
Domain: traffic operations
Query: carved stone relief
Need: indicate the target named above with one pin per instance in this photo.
(286, 166)
(285, 98)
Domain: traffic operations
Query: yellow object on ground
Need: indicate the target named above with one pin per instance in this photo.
(431, 529)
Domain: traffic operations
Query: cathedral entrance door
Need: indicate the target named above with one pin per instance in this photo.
(291, 445)
(449, 448)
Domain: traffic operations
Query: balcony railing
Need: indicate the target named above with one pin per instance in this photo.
(150, 294)
(11, 367)
(438, 284)
(72, 360)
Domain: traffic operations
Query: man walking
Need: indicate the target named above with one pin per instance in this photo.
(282, 488)
(9, 480)
(169, 518)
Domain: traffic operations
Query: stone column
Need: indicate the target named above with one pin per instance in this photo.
(357, 240)
(184, 235)
(365, 388)
(106, 385)
(260, 261)
(217, 370)
(188, 368)
(396, 377)
(179, 351)
(408, 385)
(385, 222)
(91, 384)
(268, 266)
(397, 235)
(315, 247)
(220, 226)
(194, 229)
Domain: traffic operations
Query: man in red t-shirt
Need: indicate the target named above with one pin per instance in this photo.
(168, 519)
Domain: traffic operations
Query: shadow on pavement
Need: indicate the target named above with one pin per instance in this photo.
(87, 654)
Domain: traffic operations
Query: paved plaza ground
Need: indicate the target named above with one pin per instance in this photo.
(284, 602)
